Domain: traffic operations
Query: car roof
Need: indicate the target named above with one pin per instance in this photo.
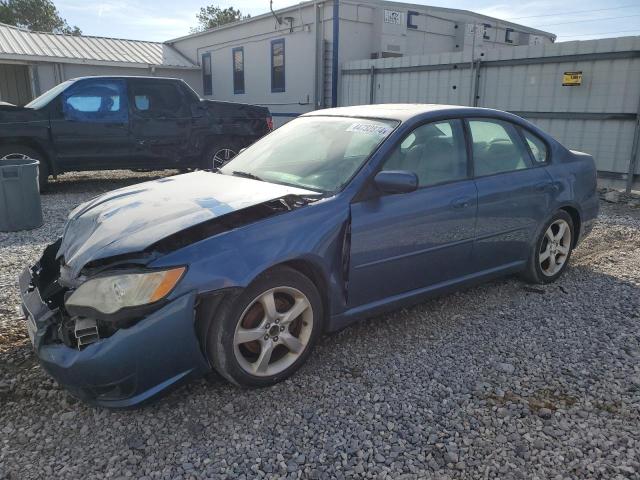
(143, 77)
(404, 111)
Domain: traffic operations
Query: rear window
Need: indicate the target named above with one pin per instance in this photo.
(537, 146)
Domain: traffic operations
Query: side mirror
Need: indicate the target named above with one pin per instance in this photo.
(396, 181)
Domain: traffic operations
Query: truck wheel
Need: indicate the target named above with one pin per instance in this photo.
(219, 155)
(18, 151)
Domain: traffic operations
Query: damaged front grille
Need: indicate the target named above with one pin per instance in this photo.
(86, 331)
(74, 332)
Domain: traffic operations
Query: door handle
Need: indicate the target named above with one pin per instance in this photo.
(463, 202)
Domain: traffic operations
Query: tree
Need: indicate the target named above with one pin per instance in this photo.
(212, 16)
(37, 15)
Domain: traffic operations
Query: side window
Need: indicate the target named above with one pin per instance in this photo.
(207, 77)
(435, 152)
(277, 66)
(238, 70)
(96, 101)
(157, 99)
(537, 146)
(497, 147)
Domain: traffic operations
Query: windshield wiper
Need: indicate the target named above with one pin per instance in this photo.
(247, 175)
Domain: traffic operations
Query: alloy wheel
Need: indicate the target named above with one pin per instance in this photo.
(273, 331)
(222, 157)
(555, 247)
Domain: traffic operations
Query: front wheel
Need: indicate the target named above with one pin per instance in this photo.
(552, 250)
(267, 333)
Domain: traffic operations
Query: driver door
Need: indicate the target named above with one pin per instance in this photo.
(90, 125)
(404, 243)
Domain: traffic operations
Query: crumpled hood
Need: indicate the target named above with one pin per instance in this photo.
(131, 219)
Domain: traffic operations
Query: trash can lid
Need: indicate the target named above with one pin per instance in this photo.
(17, 160)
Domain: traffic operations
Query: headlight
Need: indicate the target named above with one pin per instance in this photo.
(110, 294)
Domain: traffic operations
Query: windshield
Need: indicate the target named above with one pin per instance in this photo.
(317, 153)
(47, 96)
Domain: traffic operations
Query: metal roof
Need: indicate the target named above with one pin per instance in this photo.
(20, 44)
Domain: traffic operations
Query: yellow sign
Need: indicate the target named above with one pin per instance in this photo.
(572, 79)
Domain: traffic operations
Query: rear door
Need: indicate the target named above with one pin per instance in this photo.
(90, 125)
(514, 194)
(406, 242)
(160, 122)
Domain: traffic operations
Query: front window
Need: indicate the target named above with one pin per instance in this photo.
(97, 101)
(435, 152)
(317, 153)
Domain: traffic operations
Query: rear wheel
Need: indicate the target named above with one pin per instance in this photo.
(219, 155)
(552, 250)
(20, 152)
(266, 333)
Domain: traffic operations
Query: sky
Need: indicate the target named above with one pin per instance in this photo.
(160, 20)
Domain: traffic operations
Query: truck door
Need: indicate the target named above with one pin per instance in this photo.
(90, 125)
(160, 122)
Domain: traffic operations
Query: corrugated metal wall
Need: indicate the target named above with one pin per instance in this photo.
(600, 116)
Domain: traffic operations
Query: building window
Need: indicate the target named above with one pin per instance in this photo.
(207, 77)
(410, 15)
(485, 32)
(277, 65)
(507, 35)
(238, 70)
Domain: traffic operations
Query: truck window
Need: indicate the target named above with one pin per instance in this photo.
(157, 99)
(98, 101)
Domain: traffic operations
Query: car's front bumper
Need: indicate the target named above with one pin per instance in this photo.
(127, 368)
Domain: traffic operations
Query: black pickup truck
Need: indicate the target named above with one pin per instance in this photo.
(108, 123)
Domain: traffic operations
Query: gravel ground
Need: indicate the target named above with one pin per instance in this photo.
(500, 381)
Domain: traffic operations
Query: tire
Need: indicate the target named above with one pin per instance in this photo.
(549, 256)
(275, 345)
(18, 151)
(219, 155)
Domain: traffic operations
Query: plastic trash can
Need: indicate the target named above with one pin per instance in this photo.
(20, 207)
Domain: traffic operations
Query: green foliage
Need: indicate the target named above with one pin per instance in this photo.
(37, 15)
(212, 16)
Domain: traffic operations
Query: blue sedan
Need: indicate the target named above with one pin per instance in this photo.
(338, 215)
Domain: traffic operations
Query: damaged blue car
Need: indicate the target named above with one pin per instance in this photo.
(338, 215)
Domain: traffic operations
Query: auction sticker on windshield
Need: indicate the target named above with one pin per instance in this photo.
(372, 129)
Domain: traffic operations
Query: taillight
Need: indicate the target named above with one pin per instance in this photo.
(270, 123)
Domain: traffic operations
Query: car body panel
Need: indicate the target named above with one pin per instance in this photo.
(412, 240)
(511, 206)
(131, 219)
(367, 252)
(142, 360)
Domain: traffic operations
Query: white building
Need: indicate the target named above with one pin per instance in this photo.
(33, 62)
(289, 59)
